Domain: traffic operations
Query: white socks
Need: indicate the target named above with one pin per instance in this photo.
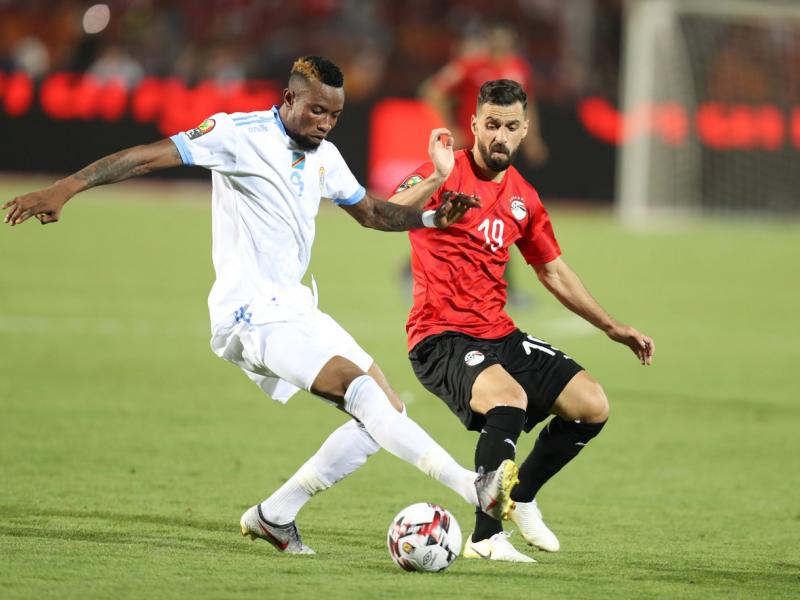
(401, 436)
(345, 450)
(349, 446)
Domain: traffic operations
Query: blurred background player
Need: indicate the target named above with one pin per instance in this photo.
(466, 350)
(270, 170)
(490, 53)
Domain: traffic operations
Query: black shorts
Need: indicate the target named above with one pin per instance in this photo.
(448, 364)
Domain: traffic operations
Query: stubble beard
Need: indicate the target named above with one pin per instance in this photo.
(497, 164)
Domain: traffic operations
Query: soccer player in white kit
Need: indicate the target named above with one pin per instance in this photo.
(270, 170)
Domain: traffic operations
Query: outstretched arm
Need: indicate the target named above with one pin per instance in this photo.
(46, 204)
(441, 100)
(533, 145)
(378, 214)
(565, 285)
(440, 149)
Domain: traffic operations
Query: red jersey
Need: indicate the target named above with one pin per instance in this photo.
(463, 77)
(458, 271)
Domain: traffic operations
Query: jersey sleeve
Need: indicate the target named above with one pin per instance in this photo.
(538, 245)
(337, 182)
(414, 177)
(212, 144)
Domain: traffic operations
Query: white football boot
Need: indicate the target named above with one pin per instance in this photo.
(286, 538)
(494, 490)
(528, 518)
(497, 547)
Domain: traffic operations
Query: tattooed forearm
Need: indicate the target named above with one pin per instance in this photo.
(112, 168)
(131, 162)
(387, 216)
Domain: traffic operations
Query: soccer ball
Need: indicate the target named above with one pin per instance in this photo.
(424, 537)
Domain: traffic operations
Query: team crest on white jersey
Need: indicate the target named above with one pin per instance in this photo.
(518, 208)
(321, 179)
(473, 357)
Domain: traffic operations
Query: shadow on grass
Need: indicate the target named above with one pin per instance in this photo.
(172, 531)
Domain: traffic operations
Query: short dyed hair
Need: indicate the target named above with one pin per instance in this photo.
(502, 92)
(316, 68)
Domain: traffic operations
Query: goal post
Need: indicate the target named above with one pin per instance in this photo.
(711, 102)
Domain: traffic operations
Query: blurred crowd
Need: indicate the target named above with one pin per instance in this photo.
(386, 47)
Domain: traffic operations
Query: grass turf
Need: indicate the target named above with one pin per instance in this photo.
(129, 450)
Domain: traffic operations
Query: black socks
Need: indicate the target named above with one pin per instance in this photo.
(497, 442)
(558, 443)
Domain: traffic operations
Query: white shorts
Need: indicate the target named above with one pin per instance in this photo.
(284, 356)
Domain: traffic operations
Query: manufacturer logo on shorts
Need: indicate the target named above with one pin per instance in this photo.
(474, 357)
(518, 208)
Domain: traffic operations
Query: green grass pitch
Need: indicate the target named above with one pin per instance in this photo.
(129, 450)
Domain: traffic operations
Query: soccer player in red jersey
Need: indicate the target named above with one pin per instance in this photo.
(464, 347)
(491, 54)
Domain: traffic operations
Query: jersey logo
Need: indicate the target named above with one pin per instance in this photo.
(298, 160)
(321, 179)
(473, 357)
(518, 208)
(202, 129)
(408, 183)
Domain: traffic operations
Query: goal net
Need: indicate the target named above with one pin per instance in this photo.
(711, 104)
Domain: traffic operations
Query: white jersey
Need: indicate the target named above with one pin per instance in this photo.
(265, 196)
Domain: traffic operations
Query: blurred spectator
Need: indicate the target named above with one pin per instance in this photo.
(115, 64)
(491, 54)
(31, 56)
(386, 47)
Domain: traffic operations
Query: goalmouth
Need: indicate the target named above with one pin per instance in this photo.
(711, 98)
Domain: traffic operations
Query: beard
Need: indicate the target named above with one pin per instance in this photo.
(304, 142)
(499, 162)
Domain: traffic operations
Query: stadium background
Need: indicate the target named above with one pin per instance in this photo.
(129, 450)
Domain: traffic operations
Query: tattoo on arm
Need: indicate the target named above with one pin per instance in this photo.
(387, 216)
(112, 168)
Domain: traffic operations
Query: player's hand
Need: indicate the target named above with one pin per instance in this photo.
(641, 345)
(440, 149)
(454, 207)
(44, 204)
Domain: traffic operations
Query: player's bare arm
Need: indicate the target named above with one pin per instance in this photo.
(533, 145)
(385, 216)
(46, 204)
(565, 285)
(440, 150)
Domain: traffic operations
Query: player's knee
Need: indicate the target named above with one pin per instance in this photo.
(508, 396)
(335, 378)
(595, 406)
(515, 397)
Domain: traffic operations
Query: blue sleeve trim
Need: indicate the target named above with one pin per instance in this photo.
(354, 199)
(183, 148)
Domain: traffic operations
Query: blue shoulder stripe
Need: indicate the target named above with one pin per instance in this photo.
(252, 121)
(247, 117)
